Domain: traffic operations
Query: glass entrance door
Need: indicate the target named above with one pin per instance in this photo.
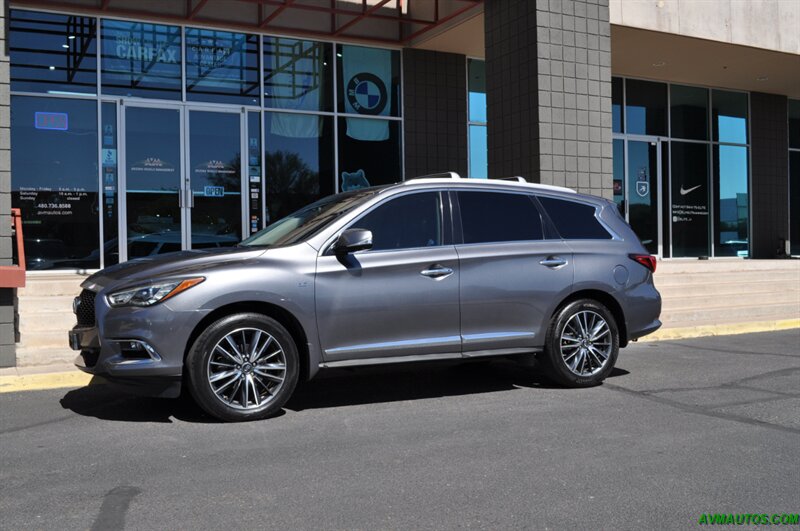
(215, 178)
(637, 183)
(153, 181)
(183, 179)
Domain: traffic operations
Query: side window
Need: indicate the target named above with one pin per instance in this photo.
(574, 221)
(499, 217)
(406, 222)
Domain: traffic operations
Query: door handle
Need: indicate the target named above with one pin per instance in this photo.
(553, 261)
(437, 272)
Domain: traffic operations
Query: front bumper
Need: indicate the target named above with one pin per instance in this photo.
(160, 333)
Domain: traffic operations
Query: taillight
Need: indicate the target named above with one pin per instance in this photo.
(646, 260)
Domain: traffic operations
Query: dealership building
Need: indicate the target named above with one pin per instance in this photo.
(130, 128)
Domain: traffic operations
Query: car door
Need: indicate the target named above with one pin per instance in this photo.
(401, 297)
(510, 274)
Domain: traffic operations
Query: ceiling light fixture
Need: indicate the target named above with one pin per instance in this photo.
(762, 78)
(660, 64)
(65, 45)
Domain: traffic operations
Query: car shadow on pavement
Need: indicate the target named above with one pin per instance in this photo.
(331, 388)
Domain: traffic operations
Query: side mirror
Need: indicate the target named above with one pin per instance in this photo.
(353, 240)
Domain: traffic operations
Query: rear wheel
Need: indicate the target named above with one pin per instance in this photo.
(582, 344)
(243, 367)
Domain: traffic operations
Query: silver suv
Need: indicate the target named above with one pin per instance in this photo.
(429, 269)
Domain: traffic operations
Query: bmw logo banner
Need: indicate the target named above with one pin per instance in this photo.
(367, 74)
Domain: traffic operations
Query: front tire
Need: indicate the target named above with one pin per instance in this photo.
(582, 344)
(243, 367)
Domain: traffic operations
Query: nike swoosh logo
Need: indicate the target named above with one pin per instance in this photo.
(684, 192)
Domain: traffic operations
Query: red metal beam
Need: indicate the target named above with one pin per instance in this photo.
(360, 17)
(274, 14)
(104, 5)
(338, 11)
(197, 9)
(441, 21)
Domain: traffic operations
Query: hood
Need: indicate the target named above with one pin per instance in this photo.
(165, 265)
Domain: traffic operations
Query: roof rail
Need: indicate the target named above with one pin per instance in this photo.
(442, 175)
(516, 178)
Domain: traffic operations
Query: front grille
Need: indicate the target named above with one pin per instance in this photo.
(85, 308)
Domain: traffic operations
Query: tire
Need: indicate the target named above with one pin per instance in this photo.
(243, 367)
(573, 358)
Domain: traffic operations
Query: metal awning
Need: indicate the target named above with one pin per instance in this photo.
(398, 22)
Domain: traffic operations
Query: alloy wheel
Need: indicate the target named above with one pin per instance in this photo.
(246, 368)
(586, 343)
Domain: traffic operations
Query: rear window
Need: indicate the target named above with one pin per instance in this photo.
(574, 221)
(499, 217)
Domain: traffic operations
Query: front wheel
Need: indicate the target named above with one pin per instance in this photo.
(243, 367)
(582, 344)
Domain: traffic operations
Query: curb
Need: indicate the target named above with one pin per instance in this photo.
(721, 330)
(34, 381)
(41, 382)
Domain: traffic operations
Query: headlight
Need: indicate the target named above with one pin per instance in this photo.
(152, 293)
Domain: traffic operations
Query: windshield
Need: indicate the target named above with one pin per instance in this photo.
(308, 221)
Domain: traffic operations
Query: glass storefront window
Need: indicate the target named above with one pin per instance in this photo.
(369, 153)
(645, 107)
(618, 146)
(109, 154)
(616, 105)
(730, 201)
(642, 192)
(476, 74)
(254, 170)
(794, 201)
(298, 165)
(221, 67)
(52, 53)
(689, 112)
(690, 199)
(141, 60)
(478, 150)
(369, 80)
(794, 124)
(55, 180)
(298, 74)
(729, 116)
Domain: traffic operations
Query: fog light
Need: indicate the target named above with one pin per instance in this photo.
(133, 349)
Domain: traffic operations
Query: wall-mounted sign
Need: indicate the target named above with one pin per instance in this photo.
(56, 121)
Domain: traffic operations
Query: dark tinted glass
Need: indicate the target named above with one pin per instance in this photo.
(406, 222)
(141, 60)
(729, 116)
(476, 72)
(299, 161)
(794, 124)
(109, 138)
(369, 80)
(369, 153)
(54, 180)
(499, 217)
(794, 201)
(254, 169)
(616, 105)
(51, 52)
(619, 174)
(221, 66)
(646, 107)
(689, 112)
(298, 74)
(690, 199)
(574, 221)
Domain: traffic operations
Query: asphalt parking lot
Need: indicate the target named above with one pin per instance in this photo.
(681, 428)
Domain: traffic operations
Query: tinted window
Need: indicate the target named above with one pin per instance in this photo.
(51, 52)
(689, 108)
(221, 66)
(646, 107)
(574, 221)
(407, 222)
(499, 217)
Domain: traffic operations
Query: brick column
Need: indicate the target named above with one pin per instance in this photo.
(7, 295)
(548, 84)
(435, 112)
(769, 150)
